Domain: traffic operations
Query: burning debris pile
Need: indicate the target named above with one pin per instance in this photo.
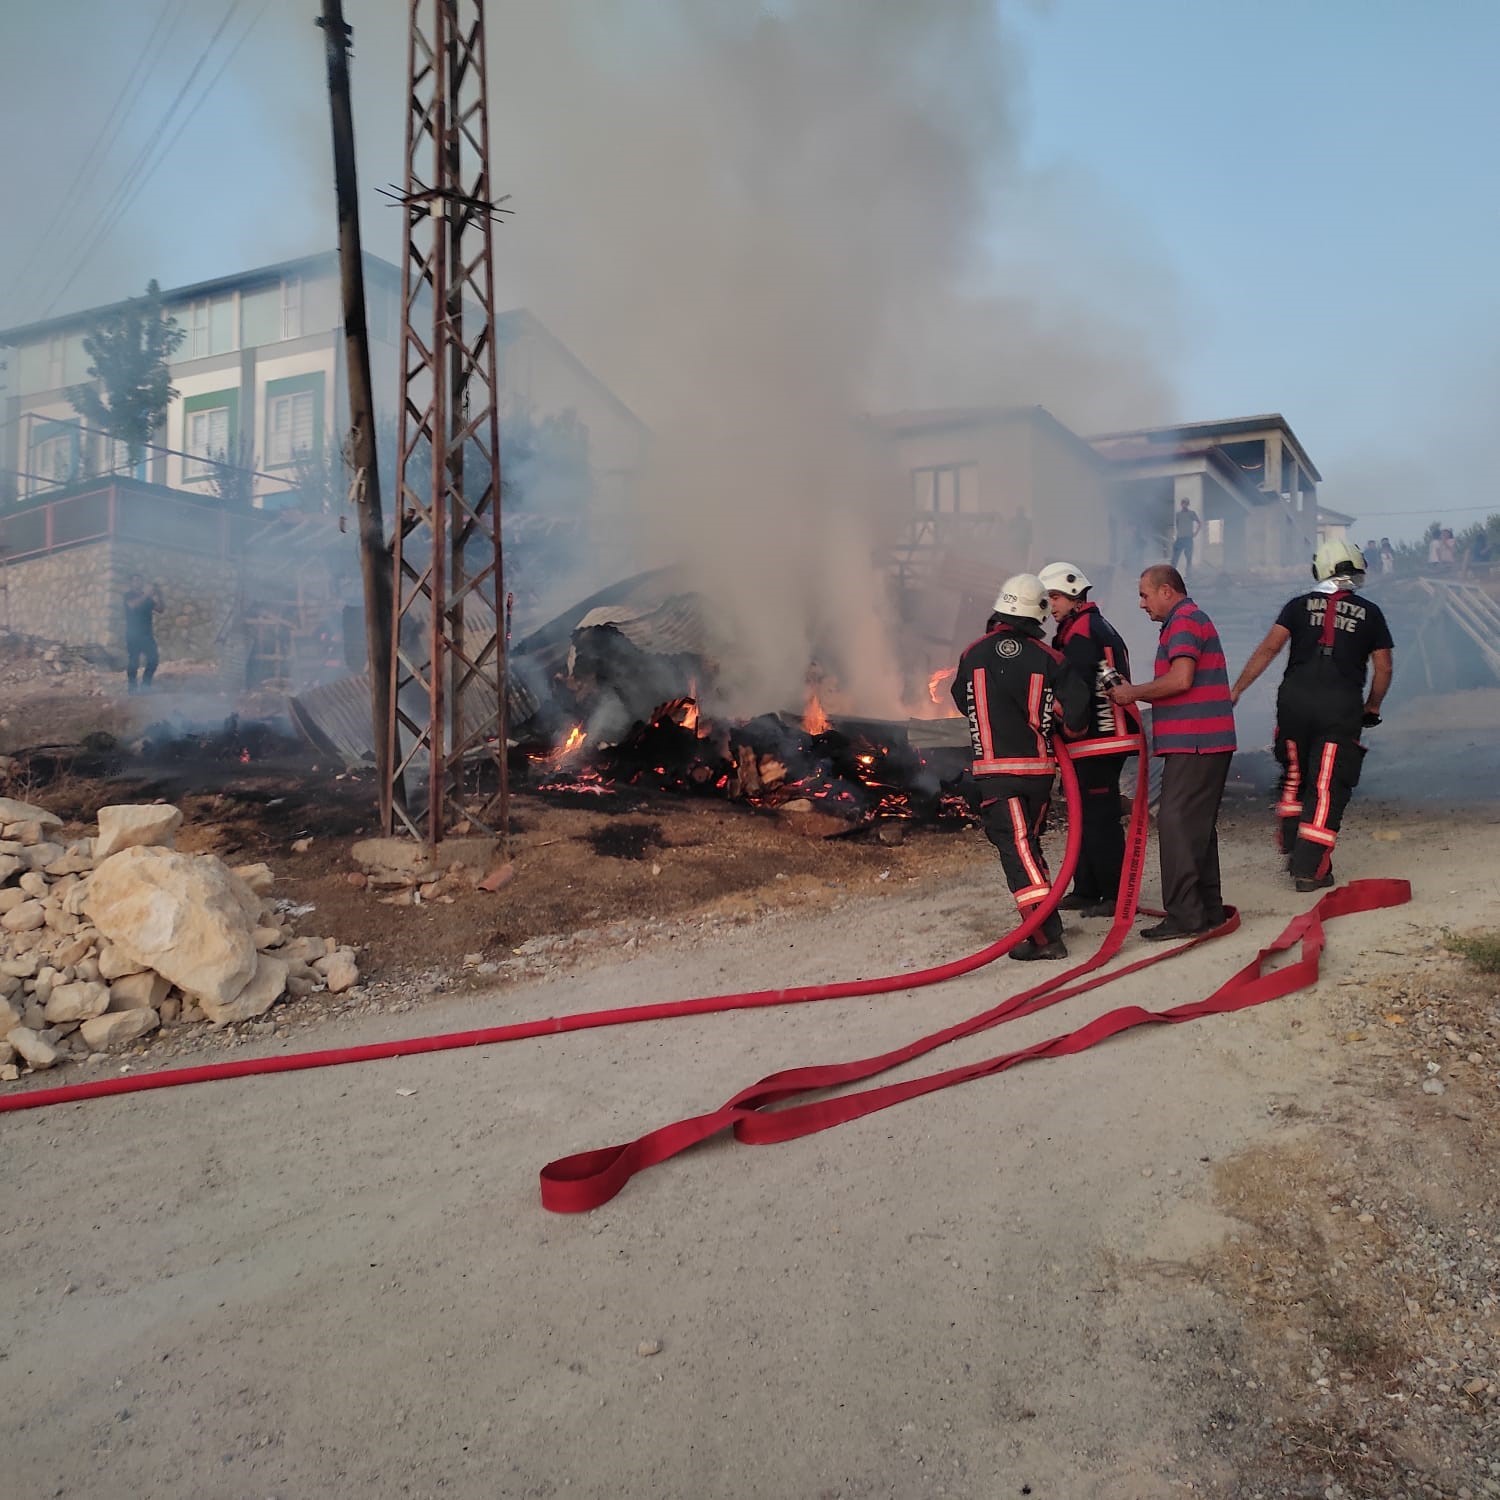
(615, 685)
(860, 772)
(104, 939)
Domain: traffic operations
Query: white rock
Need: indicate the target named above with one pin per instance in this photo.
(12, 812)
(183, 915)
(7, 1054)
(39, 856)
(269, 937)
(34, 883)
(29, 1045)
(74, 900)
(305, 950)
(342, 973)
(77, 1002)
(169, 1010)
(144, 991)
(10, 1017)
(27, 917)
(258, 877)
(70, 864)
(135, 826)
(265, 988)
(11, 898)
(115, 963)
(76, 951)
(22, 968)
(9, 865)
(118, 1029)
(29, 832)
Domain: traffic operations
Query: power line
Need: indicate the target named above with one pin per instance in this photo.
(138, 172)
(98, 153)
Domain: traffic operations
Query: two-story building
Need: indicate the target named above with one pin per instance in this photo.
(260, 385)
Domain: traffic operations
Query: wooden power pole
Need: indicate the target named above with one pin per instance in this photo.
(375, 560)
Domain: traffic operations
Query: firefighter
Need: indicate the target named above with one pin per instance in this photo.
(1087, 643)
(1011, 685)
(1322, 705)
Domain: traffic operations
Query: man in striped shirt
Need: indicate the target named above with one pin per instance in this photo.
(1192, 729)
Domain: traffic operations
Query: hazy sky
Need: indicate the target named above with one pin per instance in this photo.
(1282, 204)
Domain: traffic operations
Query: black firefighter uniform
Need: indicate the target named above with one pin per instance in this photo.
(1319, 716)
(1011, 685)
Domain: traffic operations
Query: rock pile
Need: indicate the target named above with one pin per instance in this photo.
(104, 939)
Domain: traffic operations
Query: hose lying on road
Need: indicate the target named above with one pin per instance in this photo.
(585, 1180)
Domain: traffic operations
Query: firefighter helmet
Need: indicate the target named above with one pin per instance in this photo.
(1064, 578)
(1022, 598)
(1335, 557)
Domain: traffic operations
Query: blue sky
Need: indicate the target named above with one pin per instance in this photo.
(1304, 192)
(1321, 177)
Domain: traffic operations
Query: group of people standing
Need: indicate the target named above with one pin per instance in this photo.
(1020, 692)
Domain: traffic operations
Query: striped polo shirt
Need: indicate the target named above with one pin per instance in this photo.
(1201, 720)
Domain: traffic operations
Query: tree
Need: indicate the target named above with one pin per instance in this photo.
(130, 350)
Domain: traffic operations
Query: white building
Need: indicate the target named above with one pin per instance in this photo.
(260, 382)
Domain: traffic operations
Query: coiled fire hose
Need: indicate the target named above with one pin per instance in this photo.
(583, 1181)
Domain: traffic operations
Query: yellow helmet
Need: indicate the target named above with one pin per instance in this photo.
(1336, 556)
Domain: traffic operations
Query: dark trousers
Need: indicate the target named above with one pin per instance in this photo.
(140, 651)
(1102, 856)
(1187, 835)
(1318, 724)
(1014, 813)
(1182, 551)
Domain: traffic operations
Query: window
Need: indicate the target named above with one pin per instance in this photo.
(1216, 532)
(52, 462)
(198, 343)
(291, 307)
(946, 489)
(207, 438)
(289, 426)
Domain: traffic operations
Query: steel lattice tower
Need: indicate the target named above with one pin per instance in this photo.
(447, 726)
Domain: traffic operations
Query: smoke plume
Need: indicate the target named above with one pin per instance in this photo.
(758, 221)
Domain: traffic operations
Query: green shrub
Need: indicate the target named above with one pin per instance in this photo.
(1482, 949)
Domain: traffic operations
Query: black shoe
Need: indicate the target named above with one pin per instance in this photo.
(1169, 931)
(1075, 902)
(1099, 909)
(1028, 951)
(1307, 883)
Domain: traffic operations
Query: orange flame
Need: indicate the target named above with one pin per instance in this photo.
(938, 681)
(559, 754)
(690, 714)
(814, 720)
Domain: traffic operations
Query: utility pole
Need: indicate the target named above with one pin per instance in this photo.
(374, 559)
(448, 722)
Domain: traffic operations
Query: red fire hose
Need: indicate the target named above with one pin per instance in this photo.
(590, 1178)
(584, 1021)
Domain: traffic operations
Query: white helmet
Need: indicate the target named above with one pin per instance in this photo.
(1064, 578)
(1022, 598)
(1335, 557)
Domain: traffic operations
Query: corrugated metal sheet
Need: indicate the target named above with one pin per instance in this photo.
(335, 717)
(679, 625)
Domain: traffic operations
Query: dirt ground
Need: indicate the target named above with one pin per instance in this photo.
(1253, 1256)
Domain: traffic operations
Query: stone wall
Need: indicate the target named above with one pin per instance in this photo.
(77, 597)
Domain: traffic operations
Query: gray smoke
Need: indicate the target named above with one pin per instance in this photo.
(756, 220)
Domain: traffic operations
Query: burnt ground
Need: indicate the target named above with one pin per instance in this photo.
(635, 856)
